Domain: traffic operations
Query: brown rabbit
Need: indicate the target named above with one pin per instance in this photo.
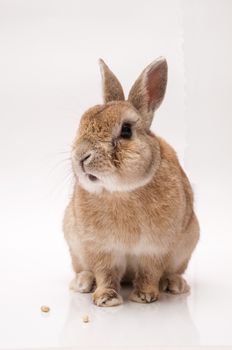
(131, 214)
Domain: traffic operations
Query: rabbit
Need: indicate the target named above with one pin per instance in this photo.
(131, 215)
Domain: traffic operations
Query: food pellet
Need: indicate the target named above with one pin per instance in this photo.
(45, 308)
(85, 318)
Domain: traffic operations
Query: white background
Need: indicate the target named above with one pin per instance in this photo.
(48, 77)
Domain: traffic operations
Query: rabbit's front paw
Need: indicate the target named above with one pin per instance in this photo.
(106, 297)
(83, 282)
(174, 284)
(143, 296)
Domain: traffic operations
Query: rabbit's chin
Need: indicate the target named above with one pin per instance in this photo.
(111, 183)
(89, 184)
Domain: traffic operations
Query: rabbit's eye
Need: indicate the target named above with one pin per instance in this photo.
(126, 131)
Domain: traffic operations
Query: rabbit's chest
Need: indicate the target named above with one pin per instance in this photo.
(129, 233)
(122, 228)
(143, 245)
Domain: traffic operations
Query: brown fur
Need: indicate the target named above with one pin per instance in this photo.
(145, 233)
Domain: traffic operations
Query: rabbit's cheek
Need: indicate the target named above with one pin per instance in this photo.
(100, 165)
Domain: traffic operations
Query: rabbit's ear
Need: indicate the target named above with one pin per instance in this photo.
(112, 89)
(148, 90)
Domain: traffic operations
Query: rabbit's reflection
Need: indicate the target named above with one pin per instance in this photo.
(166, 322)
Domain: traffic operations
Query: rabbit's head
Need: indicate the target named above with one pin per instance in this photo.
(114, 149)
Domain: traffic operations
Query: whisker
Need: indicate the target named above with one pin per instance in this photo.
(61, 162)
(66, 181)
(63, 152)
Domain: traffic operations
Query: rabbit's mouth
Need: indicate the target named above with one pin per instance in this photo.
(92, 177)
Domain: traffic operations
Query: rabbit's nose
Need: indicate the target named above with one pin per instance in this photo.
(82, 161)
